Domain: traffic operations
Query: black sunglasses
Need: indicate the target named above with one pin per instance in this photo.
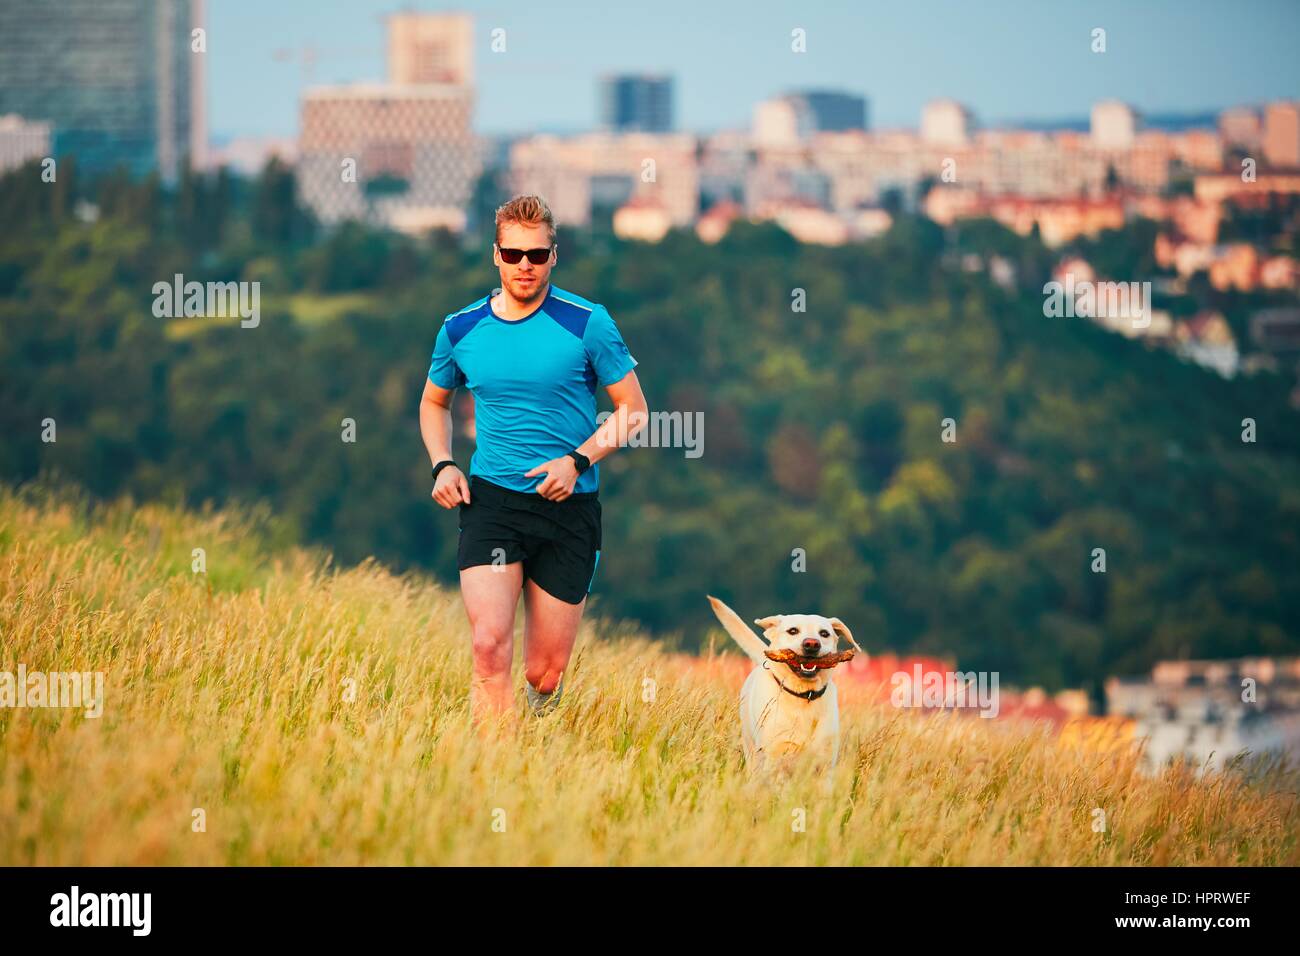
(536, 256)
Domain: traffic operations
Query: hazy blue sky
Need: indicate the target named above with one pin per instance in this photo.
(1006, 59)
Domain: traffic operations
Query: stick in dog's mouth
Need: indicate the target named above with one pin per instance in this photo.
(807, 665)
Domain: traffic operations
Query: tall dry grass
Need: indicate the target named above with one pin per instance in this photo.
(229, 692)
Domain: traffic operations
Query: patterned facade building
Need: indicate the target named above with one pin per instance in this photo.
(402, 153)
(401, 156)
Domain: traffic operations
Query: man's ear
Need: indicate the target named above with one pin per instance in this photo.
(767, 622)
(842, 629)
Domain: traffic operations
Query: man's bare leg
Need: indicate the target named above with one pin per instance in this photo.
(550, 630)
(491, 593)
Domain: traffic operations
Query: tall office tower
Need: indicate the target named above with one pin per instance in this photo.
(785, 120)
(832, 111)
(115, 78)
(430, 48)
(1282, 133)
(1114, 125)
(945, 123)
(641, 104)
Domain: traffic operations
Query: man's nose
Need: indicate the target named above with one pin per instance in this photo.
(811, 645)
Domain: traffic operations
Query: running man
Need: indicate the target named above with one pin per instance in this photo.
(532, 355)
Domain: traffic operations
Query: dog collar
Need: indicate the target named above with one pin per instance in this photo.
(805, 694)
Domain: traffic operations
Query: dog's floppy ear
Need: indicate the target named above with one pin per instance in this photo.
(766, 622)
(843, 630)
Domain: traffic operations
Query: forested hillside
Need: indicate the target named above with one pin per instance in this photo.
(822, 428)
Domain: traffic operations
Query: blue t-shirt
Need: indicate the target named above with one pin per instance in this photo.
(534, 382)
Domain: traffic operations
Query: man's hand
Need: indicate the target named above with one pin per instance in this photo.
(561, 474)
(451, 488)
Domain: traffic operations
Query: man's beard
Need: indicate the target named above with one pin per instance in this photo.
(527, 293)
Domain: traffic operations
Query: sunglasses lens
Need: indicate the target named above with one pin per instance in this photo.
(536, 256)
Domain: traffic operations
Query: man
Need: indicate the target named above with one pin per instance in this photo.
(532, 355)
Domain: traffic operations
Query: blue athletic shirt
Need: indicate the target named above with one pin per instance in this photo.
(534, 382)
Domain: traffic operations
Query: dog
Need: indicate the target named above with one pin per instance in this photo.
(789, 708)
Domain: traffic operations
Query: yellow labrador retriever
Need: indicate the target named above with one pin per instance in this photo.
(788, 705)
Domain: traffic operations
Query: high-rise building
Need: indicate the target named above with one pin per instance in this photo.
(404, 156)
(115, 78)
(401, 153)
(641, 104)
(945, 123)
(833, 111)
(784, 121)
(1282, 133)
(430, 48)
(1114, 125)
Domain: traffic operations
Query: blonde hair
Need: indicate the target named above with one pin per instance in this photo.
(527, 211)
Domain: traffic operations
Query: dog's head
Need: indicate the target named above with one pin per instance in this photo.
(808, 635)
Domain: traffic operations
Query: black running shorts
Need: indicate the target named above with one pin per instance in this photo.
(557, 541)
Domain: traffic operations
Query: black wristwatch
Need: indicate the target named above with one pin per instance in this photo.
(583, 461)
(440, 466)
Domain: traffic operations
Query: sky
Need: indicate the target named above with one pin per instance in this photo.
(1007, 60)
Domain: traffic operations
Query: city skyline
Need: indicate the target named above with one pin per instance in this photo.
(1040, 71)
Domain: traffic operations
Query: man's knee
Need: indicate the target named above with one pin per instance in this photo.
(543, 675)
(491, 649)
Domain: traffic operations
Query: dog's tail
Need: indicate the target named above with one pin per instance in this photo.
(749, 642)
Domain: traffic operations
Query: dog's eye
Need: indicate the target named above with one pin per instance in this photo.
(792, 630)
(823, 632)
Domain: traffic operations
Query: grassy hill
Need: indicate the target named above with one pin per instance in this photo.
(318, 715)
(823, 430)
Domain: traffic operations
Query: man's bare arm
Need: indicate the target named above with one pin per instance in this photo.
(451, 487)
(630, 416)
